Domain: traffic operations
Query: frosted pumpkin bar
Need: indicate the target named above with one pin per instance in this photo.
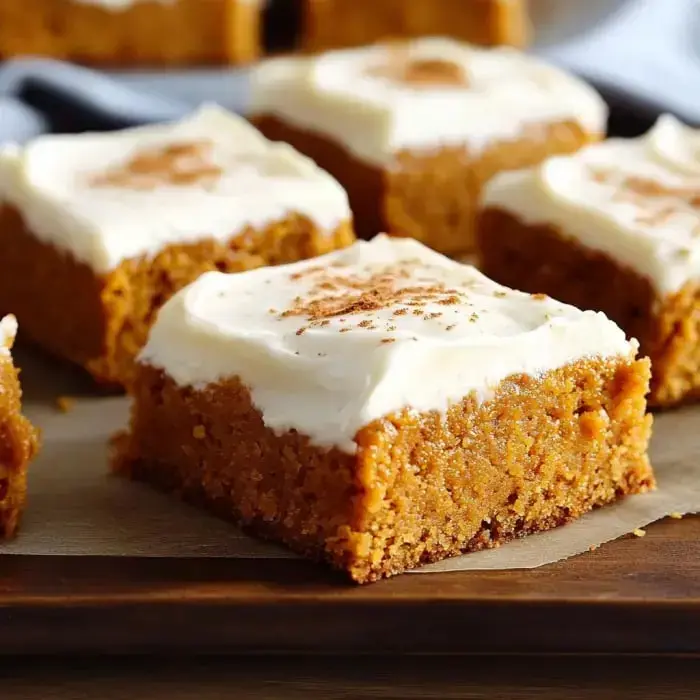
(382, 407)
(133, 32)
(615, 228)
(414, 130)
(98, 230)
(18, 439)
(331, 24)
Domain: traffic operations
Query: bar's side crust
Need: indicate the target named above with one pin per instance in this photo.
(539, 454)
(18, 444)
(149, 32)
(433, 196)
(332, 24)
(102, 321)
(542, 258)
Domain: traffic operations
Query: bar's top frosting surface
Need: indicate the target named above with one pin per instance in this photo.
(330, 344)
(116, 5)
(422, 95)
(636, 200)
(108, 197)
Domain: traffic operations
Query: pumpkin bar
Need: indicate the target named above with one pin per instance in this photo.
(383, 407)
(332, 24)
(97, 231)
(132, 32)
(414, 130)
(18, 438)
(615, 228)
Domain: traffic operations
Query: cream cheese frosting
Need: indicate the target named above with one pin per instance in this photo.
(327, 345)
(117, 5)
(108, 197)
(636, 200)
(424, 94)
(8, 332)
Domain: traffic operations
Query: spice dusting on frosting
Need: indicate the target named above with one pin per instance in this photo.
(657, 201)
(180, 164)
(335, 293)
(400, 67)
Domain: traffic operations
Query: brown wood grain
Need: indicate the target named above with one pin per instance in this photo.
(631, 596)
(353, 678)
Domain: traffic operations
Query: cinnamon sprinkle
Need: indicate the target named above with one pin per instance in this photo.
(179, 164)
(400, 67)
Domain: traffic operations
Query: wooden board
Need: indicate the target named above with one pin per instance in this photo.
(631, 596)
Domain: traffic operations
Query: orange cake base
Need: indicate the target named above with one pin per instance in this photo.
(432, 197)
(421, 487)
(18, 444)
(330, 24)
(543, 259)
(147, 32)
(102, 321)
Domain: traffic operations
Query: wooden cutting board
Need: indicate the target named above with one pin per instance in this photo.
(635, 595)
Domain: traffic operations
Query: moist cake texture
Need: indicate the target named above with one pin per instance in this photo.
(98, 230)
(333, 24)
(616, 228)
(382, 407)
(132, 32)
(18, 439)
(413, 130)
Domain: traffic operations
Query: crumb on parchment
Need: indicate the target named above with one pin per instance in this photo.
(65, 404)
(639, 532)
(676, 515)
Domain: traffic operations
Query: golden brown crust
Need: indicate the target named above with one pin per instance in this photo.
(18, 444)
(101, 322)
(540, 453)
(542, 258)
(150, 32)
(432, 197)
(330, 24)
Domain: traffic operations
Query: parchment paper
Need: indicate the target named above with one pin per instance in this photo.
(77, 508)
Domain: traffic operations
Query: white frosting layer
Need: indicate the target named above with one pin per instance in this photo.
(346, 96)
(328, 382)
(636, 200)
(8, 332)
(108, 197)
(117, 5)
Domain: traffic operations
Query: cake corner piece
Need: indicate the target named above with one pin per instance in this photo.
(383, 407)
(18, 438)
(415, 129)
(127, 218)
(624, 211)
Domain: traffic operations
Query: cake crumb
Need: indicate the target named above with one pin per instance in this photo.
(676, 515)
(65, 404)
(199, 432)
(593, 547)
(639, 532)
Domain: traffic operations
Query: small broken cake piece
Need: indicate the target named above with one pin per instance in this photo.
(98, 230)
(133, 32)
(383, 406)
(334, 24)
(18, 438)
(414, 130)
(614, 228)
